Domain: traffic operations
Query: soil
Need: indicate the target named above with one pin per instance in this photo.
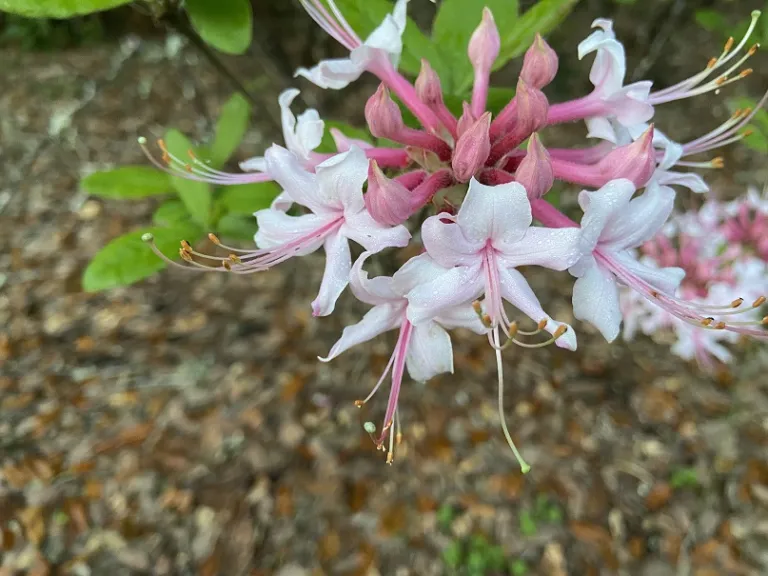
(183, 425)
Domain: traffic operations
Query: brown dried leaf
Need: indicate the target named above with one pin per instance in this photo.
(658, 496)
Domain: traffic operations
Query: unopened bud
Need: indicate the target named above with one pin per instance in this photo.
(383, 114)
(467, 119)
(388, 201)
(484, 45)
(344, 142)
(428, 87)
(472, 149)
(635, 162)
(535, 172)
(539, 64)
(532, 108)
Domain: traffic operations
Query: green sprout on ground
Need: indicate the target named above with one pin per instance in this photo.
(684, 478)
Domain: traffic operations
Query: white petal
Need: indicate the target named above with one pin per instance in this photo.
(429, 352)
(641, 220)
(341, 179)
(371, 235)
(334, 74)
(338, 263)
(609, 68)
(255, 164)
(461, 317)
(282, 202)
(600, 127)
(596, 300)
(377, 320)
(420, 269)
(309, 132)
(446, 243)
(664, 280)
(693, 182)
(460, 285)
(500, 213)
(288, 120)
(373, 291)
(516, 290)
(630, 104)
(301, 186)
(554, 248)
(277, 228)
(600, 208)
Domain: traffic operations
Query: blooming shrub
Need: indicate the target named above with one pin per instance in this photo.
(474, 242)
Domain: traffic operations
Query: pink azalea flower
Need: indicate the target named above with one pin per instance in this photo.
(482, 246)
(424, 348)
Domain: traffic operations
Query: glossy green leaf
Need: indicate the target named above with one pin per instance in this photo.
(195, 195)
(365, 15)
(128, 259)
(57, 8)
(542, 17)
(247, 198)
(328, 145)
(237, 227)
(230, 129)
(227, 25)
(454, 24)
(128, 182)
(171, 213)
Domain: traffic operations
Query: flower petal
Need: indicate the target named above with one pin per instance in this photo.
(554, 248)
(601, 127)
(516, 290)
(461, 317)
(693, 182)
(609, 67)
(377, 320)
(301, 186)
(372, 235)
(500, 213)
(255, 164)
(642, 219)
(341, 179)
(460, 285)
(429, 352)
(335, 74)
(309, 132)
(277, 228)
(600, 208)
(446, 243)
(420, 269)
(372, 291)
(665, 280)
(338, 263)
(596, 300)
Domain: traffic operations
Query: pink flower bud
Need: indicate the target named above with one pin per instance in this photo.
(635, 162)
(532, 108)
(383, 114)
(535, 172)
(388, 201)
(472, 149)
(539, 64)
(484, 45)
(428, 87)
(467, 119)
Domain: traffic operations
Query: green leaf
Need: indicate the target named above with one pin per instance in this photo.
(452, 554)
(128, 182)
(542, 17)
(227, 25)
(230, 129)
(195, 195)
(237, 227)
(527, 524)
(57, 8)
(365, 15)
(247, 198)
(498, 98)
(328, 145)
(128, 259)
(454, 24)
(171, 213)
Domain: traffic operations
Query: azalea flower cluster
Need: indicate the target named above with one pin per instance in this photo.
(466, 190)
(723, 249)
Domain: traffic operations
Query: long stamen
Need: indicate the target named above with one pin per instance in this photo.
(524, 467)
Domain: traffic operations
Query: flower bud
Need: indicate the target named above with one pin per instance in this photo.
(539, 64)
(535, 172)
(635, 162)
(467, 119)
(472, 149)
(484, 45)
(383, 114)
(428, 87)
(532, 108)
(388, 201)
